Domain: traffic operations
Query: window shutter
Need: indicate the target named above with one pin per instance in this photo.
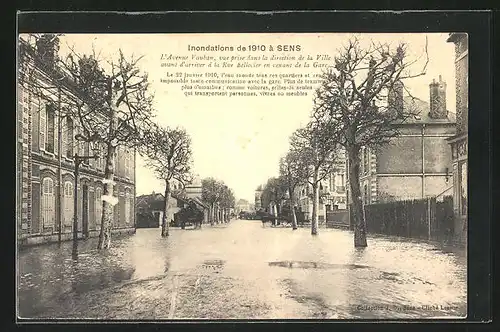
(102, 160)
(80, 143)
(64, 137)
(42, 113)
(56, 134)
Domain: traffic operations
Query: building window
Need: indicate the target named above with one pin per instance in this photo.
(68, 203)
(462, 173)
(50, 133)
(48, 202)
(101, 160)
(127, 163)
(69, 138)
(42, 119)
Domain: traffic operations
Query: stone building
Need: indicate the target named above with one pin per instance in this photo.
(46, 145)
(149, 210)
(417, 163)
(459, 141)
(332, 192)
(194, 188)
(242, 205)
(150, 207)
(258, 195)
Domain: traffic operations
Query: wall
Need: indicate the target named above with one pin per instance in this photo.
(436, 185)
(402, 155)
(437, 155)
(393, 188)
(461, 77)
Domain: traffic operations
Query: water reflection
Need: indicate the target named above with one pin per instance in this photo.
(52, 276)
(242, 271)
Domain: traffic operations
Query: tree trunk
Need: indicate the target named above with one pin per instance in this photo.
(278, 212)
(165, 222)
(314, 218)
(292, 208)
(212, 214)
(356, 200)
(107, 206)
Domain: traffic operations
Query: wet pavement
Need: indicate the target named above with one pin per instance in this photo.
(243, 270)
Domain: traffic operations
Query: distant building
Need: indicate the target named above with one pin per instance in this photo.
(332, 192)
(243, 205)
(194, 189)
(459, 141)
(149, 208)
(258, 195)
(417, 163)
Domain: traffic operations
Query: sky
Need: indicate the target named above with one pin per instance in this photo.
(240, 140)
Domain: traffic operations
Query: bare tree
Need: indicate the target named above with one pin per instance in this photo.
(293, 174)
(168, 153)
(317, 153)
(122, 97)
(349, 104)
(273, 194)
(227, 202)
(212, 193)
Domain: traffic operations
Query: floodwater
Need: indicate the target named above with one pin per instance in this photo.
(243, 270)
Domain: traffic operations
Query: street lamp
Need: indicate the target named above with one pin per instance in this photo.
(94, 146)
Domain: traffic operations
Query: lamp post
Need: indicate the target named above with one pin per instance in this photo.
(78, 160)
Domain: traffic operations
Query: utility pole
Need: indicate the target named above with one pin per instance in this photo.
(78, 160)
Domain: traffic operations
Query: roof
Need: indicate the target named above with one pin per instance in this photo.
(454, 36)
(199, 202)
(153, 201)
(422, 110)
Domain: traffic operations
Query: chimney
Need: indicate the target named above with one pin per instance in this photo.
(395, 98)
(437, 97)
(47, 48)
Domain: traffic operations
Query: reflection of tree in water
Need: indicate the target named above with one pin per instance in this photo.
(52, 278)
(95, 270)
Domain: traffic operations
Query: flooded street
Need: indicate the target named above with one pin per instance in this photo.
(243, 271)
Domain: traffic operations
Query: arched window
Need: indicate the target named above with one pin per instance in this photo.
(98, 206)
(68, 203)
(48, 203)
(51, 128)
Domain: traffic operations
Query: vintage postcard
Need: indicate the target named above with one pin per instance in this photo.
(213, 176)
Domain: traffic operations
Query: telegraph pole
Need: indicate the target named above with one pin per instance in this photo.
(78, 160)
